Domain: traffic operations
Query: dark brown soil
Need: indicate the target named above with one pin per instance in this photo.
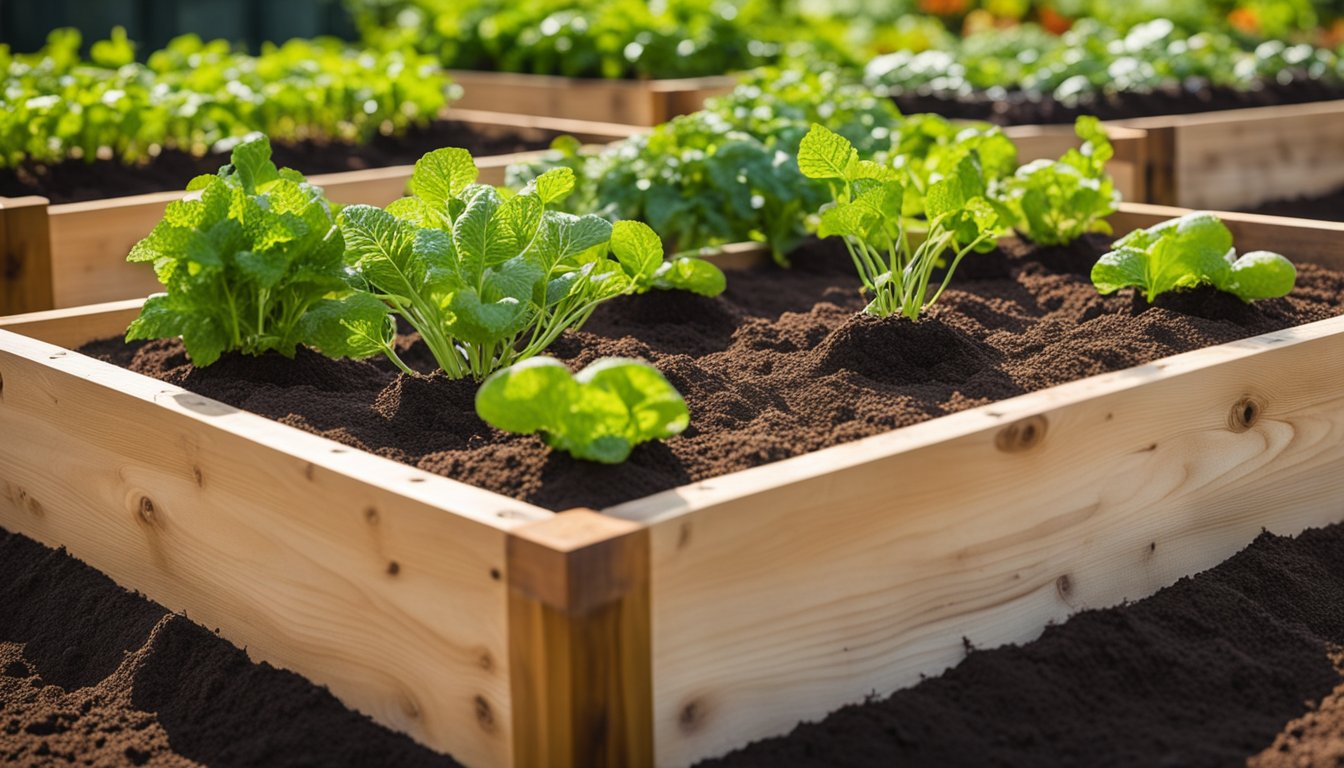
(76, 180)
(1021, 108)
(1243, 661)
(1329, 207)
(780, 365)
(93, 675)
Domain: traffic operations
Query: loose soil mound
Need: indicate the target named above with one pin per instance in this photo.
(780, 365)
(93, 675)
(1243, 661)
(75, 180)
(1019, 108)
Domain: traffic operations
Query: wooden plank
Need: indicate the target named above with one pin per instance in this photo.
(1128, 167)
(25, 272)
(632, 102)
(385, 583)
(579, 642)
(783, 592)
(75, 326)
(1242, 158)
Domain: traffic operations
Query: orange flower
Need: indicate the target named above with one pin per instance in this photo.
(1054, 21)
(943, 7)
(1245, 20)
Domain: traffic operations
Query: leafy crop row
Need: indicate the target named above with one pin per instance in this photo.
(192, 95)
(1094, 58)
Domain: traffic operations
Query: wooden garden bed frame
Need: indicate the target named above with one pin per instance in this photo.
(693, 621)
(74, 254)
(633, 102)
(1238, 159)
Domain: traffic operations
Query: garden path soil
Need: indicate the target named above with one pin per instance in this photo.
(76, 180)
(1020, 108)
(1243, 661)
(780, 365)
(93, 675)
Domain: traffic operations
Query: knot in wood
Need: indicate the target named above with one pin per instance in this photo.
(1064, 585)
(146, 511)
(484, 714)
(692, 716)
(2, 382)
(1022, 435)
(1244, 414)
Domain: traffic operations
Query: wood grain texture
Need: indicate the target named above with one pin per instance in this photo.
(25, 271)
(1244, 157)
(631, 102)
(385, 583)
(579, 642)
(1128, 167)
(783, 592)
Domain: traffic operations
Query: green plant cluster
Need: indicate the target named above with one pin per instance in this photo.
(192, 95)
(577, 38)
(727, 173)
(944, 193)
(1189, 251)
(1093, 58)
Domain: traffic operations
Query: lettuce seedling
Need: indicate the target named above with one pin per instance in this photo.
(487, 280)
(1056, 202)
(1195, 249)
(895, 256)
(243, 262)
(599, 414)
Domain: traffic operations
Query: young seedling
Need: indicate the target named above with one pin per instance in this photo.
(896, 256)
(599, 414)
(1195, 249)
(1056, 202)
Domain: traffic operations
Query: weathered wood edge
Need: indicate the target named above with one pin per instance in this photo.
(633, 102)
(25, 242)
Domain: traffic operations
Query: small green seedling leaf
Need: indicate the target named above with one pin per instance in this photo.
(599, 415)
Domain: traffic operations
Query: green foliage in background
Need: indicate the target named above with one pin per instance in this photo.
(192, 95)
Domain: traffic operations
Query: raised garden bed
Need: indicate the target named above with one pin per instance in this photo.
(1240, 159)
(632, 102)
(71, 254)
(684, 623)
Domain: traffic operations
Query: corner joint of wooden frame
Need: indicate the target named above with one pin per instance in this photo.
(578, 561)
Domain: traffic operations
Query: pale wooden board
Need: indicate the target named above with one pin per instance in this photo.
(631, 102)
(1242, 158)
(784, 592)
(283, 540)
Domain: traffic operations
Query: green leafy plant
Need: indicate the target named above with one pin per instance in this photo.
(728, 173)
(599, 414)
(1195, 249)
(487, 280)
(195, 96)
(1056, 202)
(895, 256)
(243, 262)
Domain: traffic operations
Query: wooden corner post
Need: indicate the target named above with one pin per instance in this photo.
(579, 642)
(25, 256)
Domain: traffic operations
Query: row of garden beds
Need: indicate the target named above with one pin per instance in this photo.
(72, 254)
(710, 603)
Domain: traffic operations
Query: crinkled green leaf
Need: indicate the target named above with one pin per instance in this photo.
(687, 273)
(251, 160)
(1261, 275)
(554, 185)
(638, 249)
(442, 175)
(824, 154)
(357, 325)
(600, 414)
